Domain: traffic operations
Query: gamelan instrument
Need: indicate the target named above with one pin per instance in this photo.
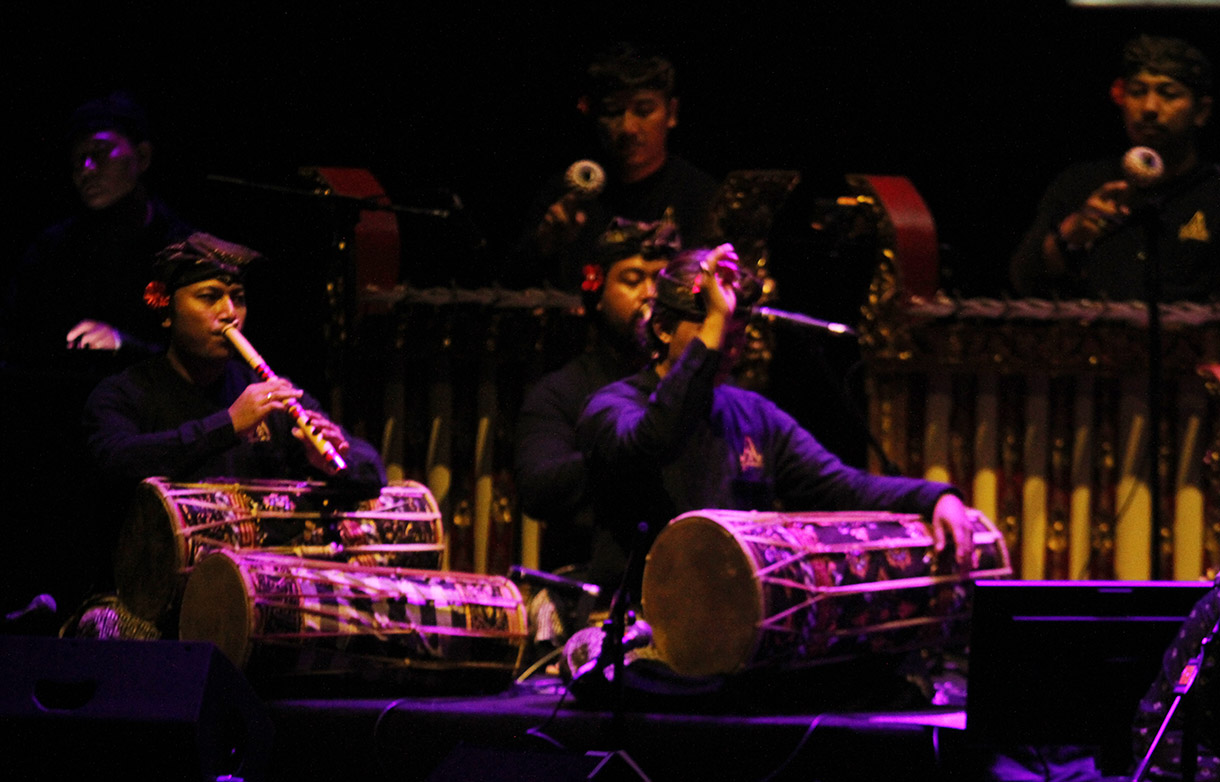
(297, 412)
(729, 590)
(281, 618)
(172, 525)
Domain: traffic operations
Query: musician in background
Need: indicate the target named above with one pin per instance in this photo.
(630, 96)
(97, 261)
(551, 477)
(70, 315)
(1089, 233)
(198, 411)
(672, 438)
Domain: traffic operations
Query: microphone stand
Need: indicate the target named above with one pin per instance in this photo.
(373, 203)
(613, 650)
(1190, 738)
(613, 653)
(888, 467)
(344, 215)
(1149, 215)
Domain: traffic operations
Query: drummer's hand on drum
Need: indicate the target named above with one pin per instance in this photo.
(328, 431)
(258, 401)
(950, 515)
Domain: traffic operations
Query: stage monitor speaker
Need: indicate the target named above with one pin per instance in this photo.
(468, 762)
(1066, 662)
(164, 710)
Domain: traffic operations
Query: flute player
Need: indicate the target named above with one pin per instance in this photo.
(199, 410)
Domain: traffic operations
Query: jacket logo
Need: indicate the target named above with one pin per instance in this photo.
(1194, 229)
(750, 457)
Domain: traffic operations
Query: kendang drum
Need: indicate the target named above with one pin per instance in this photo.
(285, 619)
(725, 591)
(171, 525)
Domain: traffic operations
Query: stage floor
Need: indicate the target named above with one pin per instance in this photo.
(535, 731)
(74, 707)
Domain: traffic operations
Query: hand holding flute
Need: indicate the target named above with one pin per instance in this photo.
(325, 438)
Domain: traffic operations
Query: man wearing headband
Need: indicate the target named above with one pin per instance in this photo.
(1090, 234)
(672, 439)
(551, 478)
(630, 97)
(78, 286)
(198, 411)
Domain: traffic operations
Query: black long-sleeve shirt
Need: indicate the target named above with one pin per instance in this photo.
(658, 447)
(150, 421)
(1185, 214)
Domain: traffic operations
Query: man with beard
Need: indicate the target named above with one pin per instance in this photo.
(674, 438)
(630, 96)
(1090, 237)
(552, 481)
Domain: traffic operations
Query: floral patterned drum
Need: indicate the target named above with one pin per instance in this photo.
(729, 590)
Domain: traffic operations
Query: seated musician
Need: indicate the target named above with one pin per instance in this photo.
(198, 411)
(104, 250)
(671, 438)
(550, 469)
(1088, 240)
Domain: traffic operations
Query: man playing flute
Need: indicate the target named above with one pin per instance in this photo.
(199, 410)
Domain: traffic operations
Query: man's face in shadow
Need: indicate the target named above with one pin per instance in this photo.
(107, 166)
(634, 126)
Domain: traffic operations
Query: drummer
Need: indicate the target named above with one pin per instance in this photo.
(198, 411)
(672, 438)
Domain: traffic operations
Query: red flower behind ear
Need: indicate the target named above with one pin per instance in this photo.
(594, 277)
(155, 295)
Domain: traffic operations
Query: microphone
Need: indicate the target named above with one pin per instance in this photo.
(520, 574)
(43, 604)
(795, 318)
(1143, 166)
(587, 653)
(585, 178)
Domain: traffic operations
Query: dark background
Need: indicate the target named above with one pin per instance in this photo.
(979, 105)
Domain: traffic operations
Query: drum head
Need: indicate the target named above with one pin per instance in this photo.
(151, 554)
(701, 598)
(217, 606)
